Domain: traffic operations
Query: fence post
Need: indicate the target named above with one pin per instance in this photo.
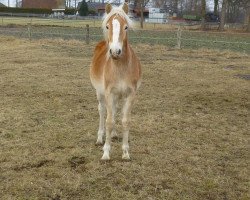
(87, 34)
(29, 30)
(178, 46)
(2, 21)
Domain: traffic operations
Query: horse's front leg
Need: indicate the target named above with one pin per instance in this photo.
(110, 123)
(101, 109)
(126, 123)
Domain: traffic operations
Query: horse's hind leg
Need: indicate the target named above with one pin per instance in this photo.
(114, 134)
(101, 109)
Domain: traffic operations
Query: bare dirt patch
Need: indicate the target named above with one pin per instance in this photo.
(189, 136)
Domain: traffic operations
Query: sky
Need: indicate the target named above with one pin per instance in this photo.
(5, 2)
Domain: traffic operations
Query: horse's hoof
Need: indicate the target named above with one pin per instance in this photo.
(114, 135)
(99, 143)
(125, 157)
(105, 158)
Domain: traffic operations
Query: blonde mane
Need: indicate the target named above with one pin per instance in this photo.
(119, 11)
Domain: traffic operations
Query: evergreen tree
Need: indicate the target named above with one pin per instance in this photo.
(83, 10)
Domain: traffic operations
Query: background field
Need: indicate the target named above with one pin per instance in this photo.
(75, 23)
(189, 136)
(165, 34)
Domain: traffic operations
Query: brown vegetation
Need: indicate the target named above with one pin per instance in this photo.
(189, 136)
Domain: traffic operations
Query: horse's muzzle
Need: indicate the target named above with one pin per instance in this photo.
(115, 53)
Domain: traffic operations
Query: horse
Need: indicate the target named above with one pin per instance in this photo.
(115, 73)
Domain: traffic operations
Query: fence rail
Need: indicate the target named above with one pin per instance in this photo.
(172, 38)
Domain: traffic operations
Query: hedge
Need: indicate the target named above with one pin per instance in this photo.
(69, 11)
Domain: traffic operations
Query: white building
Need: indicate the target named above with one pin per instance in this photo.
(156, 16)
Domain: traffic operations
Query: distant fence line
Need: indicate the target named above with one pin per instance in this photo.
(172, 38)
(7, 18)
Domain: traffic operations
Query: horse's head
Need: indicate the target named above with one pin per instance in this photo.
(115, 25)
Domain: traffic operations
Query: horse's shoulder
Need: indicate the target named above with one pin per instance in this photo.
(101, 45)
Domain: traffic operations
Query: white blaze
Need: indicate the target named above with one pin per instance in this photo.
(116, 45)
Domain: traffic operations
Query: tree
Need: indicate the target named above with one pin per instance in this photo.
(175, 6)
(248, 24)
(141, 5)
(203, 14)
(216, 2)
(141, 12)
(248, 17)
(83, 10)
(223, 15)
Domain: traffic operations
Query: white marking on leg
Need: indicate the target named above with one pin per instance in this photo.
(109, 125)
(125, 146)
(101, 109)
(106, 149)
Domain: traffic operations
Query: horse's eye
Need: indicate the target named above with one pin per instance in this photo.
(126, 27)
(107, 27)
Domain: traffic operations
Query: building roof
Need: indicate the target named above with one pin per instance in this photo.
(2, 5)
(49, 4)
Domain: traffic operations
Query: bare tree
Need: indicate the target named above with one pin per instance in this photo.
(159, 3)
(216, 3)
(203, 14)
(191, 3)
(195, 7)
(248, 25)
(142, 4)
(175, 6)
(68, 3)
(248, 16)
(18, 3)
(141, 12)
(223, 15)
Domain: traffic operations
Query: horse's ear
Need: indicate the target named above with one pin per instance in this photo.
(125, 8)
(108, 8)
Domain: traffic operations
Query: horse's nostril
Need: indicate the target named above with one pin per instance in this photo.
(119, 52)
(110, 51)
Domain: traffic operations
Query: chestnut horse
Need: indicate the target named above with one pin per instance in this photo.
(115, 73)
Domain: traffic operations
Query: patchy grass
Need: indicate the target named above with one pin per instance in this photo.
(239, 42)
(6, 21)
(189, 136)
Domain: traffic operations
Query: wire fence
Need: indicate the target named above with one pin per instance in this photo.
(171, 38)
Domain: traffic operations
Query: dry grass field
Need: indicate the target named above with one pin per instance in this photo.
(23, 21)
(190, 125)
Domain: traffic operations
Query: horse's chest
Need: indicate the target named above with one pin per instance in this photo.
(118, 80)
(121, 87)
